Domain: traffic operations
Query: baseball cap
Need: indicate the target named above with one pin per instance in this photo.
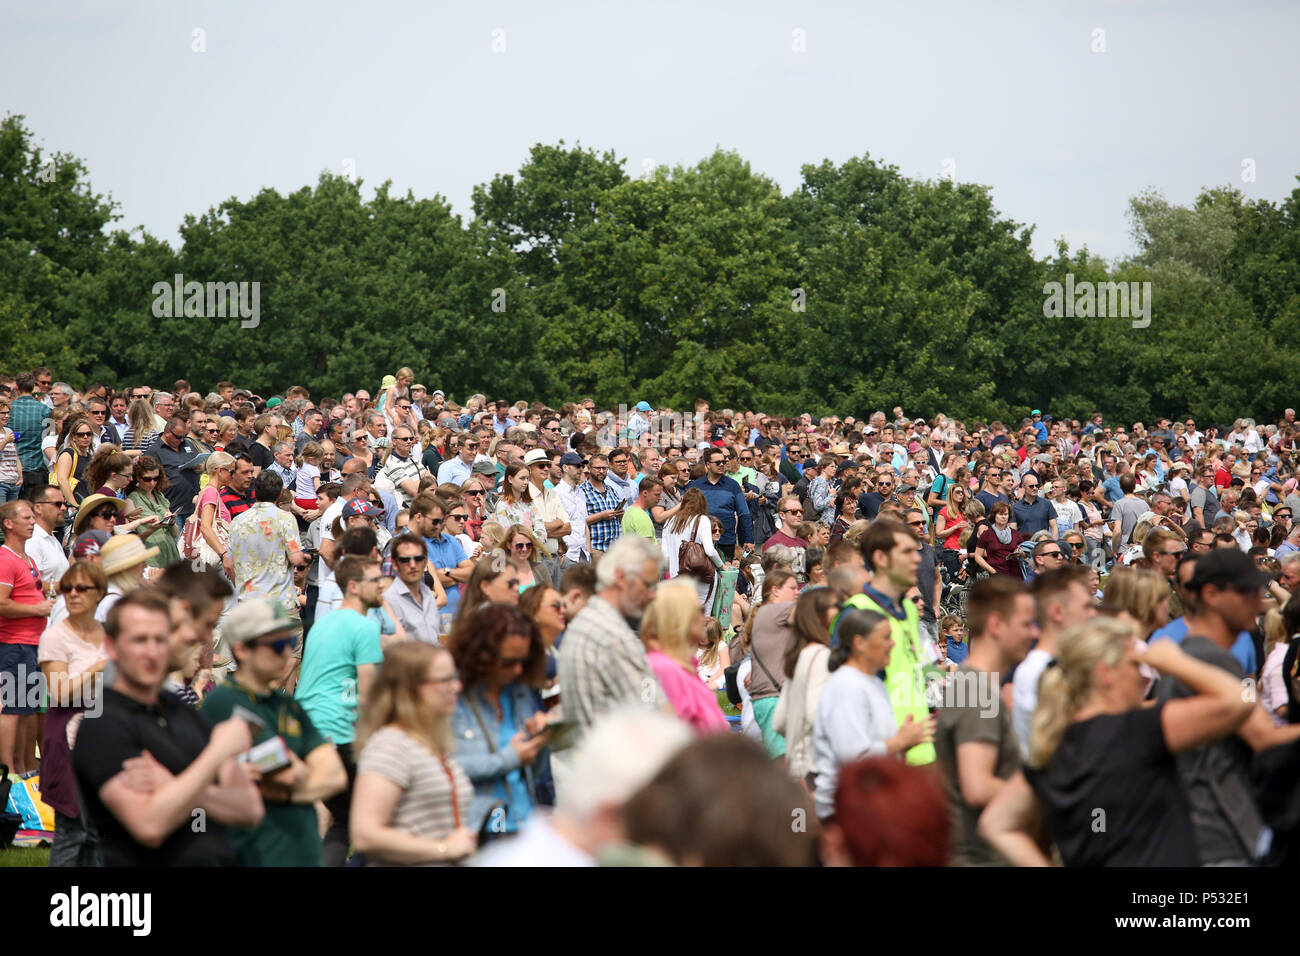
(252, 618)
(438, 391)
(1227, 568)
(1043, 459)
(846, 466)
(484, 468)
(572, 458)
(869, 430)
(360, 508)
(1036, 411)
(643, 406)
(537, 456)
(274, 402)
(89, 543)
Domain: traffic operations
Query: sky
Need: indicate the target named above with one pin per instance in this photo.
(1064, 109)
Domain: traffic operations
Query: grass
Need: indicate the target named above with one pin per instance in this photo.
(25, 856)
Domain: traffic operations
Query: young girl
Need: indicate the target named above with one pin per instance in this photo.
(309, 462)
(711, 655)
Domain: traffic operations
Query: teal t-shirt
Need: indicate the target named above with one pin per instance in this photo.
(327, 689)
(636, 521)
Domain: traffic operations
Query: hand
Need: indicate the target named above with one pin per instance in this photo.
(537, 723)
(459, 844)
(747, 679)
(312, 515)
(228, 563)
(144, 774)
(913, 732)
(231, 737)
(528, 747)
(280, 785)
(43, 608)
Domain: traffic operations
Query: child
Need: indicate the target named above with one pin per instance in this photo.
(309, 463)
(952, 634)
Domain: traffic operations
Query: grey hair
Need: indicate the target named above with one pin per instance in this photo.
(161, 396)
(630, 553)
(623, 750)
(281, 445)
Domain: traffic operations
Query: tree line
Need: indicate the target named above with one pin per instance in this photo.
(861, 289)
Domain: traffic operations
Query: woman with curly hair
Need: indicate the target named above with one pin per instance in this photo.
(148, 480)
(499, 726)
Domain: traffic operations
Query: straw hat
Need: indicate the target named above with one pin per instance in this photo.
(89, 506)
(123, 552)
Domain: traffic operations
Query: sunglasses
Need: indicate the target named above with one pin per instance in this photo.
(78, 588)
(458, 517)
(410, 559)
(278, 646)
(81, 434)
(523, 547)
(108, 513)
(54, 504)
(1051, 554)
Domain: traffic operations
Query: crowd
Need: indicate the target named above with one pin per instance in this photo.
(391, 629)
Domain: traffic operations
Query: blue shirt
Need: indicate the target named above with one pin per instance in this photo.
(1112, 489)
(446, 552)
(1032, 518)
(454, 471)
(1243, 649)
(727, 503)
(957, 650)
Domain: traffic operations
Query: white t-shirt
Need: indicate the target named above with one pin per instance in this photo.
(1024, 694)
(44, 549)
(328, 590)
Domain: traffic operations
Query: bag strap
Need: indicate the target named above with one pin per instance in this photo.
(482, 726)
(753, 650)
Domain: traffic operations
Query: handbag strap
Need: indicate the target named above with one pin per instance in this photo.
(455, 800)
(482, 726)
(753, 650)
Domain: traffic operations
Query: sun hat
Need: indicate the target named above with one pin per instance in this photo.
(89, 506)
(123, 552)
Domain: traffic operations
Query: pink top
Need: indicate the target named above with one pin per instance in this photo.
(694, 702)
(211, 496)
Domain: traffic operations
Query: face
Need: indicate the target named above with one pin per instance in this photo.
(653, 496)
(638, 590)
(551, 616)
(519, 481)
(504, 588)
(142, 647)
(80, 595)
(511, 658)
(901, 564)
(410, 562)
(521, 548)
(873, 649)
(242, 476)
(789, 591)
(619, 464)
(51, 509)
(468, 449)
(441, 685)
(370, 589)
(1019, 630)
(267, 657)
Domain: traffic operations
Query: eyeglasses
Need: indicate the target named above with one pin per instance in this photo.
(403, 438)
(404, 407)
(921, 524)
(82, 434)
(523, 547)
(279, 645)
(77, 588)
(435, 522)
(98, 414)
(107, 513)
(1051, 554)
(471, 445)
(475, 494)
(54, 504)
(791, 511)
(513, 661)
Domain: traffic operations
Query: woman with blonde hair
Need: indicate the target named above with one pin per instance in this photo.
(525, 554)
(1094, 748)
(213, 515)
(1272, 682)
(1138, 598)
(140, 431)
(672, 630)
(411, 802)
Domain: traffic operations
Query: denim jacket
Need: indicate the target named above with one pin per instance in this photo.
(476, 755)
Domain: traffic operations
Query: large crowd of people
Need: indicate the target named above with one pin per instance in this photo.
(391, 629)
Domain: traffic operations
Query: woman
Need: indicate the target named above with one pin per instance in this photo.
(669, 502)
(995, 550)
(846, 510)
(54, 435)
(494, 580)
(411, 800)
(213, 515)
(148, 480)
(820, 492)
(99, 513)
(122, 559)
(525, 551)
(1094, 745)
(432, 439)
(672, 628)
(140, 432)
(765, 638)
(806, 670)
(691, 523)
(499, 726)
(544, 606)
(767, 482)
(109, 472)
(515, 504)
(1272, 683)
(225, 429)
(1140, 599)
(855, 718)
(951, 520)
(74, 457)
(71, 653)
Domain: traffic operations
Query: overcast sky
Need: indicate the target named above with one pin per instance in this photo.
(1012, 94)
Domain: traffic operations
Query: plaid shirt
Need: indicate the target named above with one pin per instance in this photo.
(603, 533)
(603, 665)
(27, 418)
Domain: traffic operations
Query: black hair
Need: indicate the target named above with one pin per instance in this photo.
(854, 622)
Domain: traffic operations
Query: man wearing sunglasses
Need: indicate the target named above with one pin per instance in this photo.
(44, 547)
(416, 605)
(457, 470)
(726, 503)
(262, 638)
(789, 513)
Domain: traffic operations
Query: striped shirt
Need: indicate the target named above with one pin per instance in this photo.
(27, 419)
(427, 808)
(145, 444)
(605, 532)
(603, 665)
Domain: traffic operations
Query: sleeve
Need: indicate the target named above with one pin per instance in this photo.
(367, 648)
(8, 572)
(102, 746)
(480, 763)
(818, 675)
(53, 646)
(971, 727)
(217, 706)
(311, 737)
(848, 729)
(383, 755)
(744, 522)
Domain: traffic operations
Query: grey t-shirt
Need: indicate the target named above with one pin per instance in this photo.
(1216, 777)
(1127, 511)
(1209, 500)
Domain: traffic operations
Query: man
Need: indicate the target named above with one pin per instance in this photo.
(1290, 545)
(158, 782)
(27, 421)
(1047, 555)
(954, 470)
(402, 468)
(929, 581)
(447, 558)
(1068, 514)
(1243, 649)
(1032, 514)
(265, 548)
(235, 495)
(550, 434)
(1163, 548)
(164, 407)
(869, 502)
(457, 470)
(502, 421)
(975, 738)
(1225, 598)
(261, 637)
(266, 428)
(1124, 514)
(97, 411)
(44, 547)
(574, 502)
(604, 508)
(547, 503)
(636, 519)
(619, 477)
(182, 464)
(789, 513)
(117, 409)
(1205, 499)
(413, 602)
(892, 552)
(602, 662)
(991, 493)
(376, 434)
(638, 423)
(338, 666)
(23, 614)
(313, 429)
(726, 503)
(1062, 598)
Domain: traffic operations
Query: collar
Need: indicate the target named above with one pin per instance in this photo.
(885, 601)
(400, 587)
(268, 697)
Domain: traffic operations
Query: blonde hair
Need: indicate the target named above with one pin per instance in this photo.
(311, 452)
(218, 459)
(708, 657)
(1274, 630)
(492, 536)
(395, 699)
(1137, 592)
(1064, 687)
(669, 618)
(856, 530)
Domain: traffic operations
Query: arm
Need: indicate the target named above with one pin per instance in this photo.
(373, 803)
(1051, 526)
(399, 632)
(1007, 821)
(365, 677)
(1216, 710)
(319, 777)
(11, 609)
(63, 687)
(976, 760)
(234, 799)
(460, 573)
(208, 527)
(1260, 733)
(980, 556)
(63, 472)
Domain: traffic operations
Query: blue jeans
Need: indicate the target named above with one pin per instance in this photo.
(9, 492)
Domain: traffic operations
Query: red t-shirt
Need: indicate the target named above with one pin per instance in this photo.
(782, 538)
(20, 573)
